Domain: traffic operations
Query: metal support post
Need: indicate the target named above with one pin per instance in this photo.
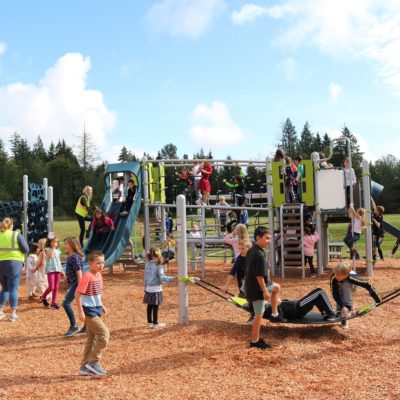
(182, 258)
(270, 196)
(45, 186)
(320, 244)
(25, 197)
(146, 200)
(50, 209)
(368, 216)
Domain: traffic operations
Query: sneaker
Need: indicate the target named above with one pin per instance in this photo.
(260, 345)
(14, 318)
(2, 315)
(54, 306)
(150, 325)
(84, 371)
(71, 331)
(159, 325)
(123, 213)
(345, 324)
(250, 320)
(313, 276)
(82, 330)
(331, 317)
(96, 368)
(45, 302)
(278, 318)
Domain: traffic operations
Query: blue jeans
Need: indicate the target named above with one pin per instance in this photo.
(68, 299)
(9, 289)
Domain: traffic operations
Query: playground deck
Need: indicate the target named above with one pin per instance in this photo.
(209, 358)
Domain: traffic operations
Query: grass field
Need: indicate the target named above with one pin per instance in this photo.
(336, 232)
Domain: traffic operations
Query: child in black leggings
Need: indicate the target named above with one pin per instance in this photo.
(153, 276)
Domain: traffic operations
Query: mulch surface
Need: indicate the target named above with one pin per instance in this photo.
(209, 358)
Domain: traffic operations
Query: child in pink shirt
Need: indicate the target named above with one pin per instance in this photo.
(310, 238)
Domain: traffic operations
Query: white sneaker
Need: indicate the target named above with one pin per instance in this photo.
(150, 325)
(2, 315)
(159, 325)
(198, 202)
(345, 324)
(313, 276)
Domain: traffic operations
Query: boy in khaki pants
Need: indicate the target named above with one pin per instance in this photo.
(90, 309)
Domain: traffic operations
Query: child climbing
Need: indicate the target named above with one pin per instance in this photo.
(350, 179)
(153, 277)
(204, 183)
(354, 230)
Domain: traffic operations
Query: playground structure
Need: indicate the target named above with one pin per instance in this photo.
(34, 214)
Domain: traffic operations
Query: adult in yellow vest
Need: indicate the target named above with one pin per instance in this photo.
(83, 209)
(13, 248)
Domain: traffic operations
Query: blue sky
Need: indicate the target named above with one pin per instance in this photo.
(216, 74)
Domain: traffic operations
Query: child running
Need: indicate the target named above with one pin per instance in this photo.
(90, 309)
(74, 265)
(31, 273)
(342, 281)
(259, 288)
(53, 270)
(354, 230)
(153, 277)
(310, 238)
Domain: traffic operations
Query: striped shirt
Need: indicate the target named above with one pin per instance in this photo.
(91, 288)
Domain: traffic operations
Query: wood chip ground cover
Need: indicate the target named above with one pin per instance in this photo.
(209, 358)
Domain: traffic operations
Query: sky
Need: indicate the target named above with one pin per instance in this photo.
(217, 74)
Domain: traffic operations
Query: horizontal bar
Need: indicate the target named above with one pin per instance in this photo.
(212, 207)
(224, 162)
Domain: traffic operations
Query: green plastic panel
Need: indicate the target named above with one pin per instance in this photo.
(308, 183)
(278, 183)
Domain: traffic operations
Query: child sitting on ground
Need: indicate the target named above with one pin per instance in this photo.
(343, 280)
(153, 277)
(309, 241)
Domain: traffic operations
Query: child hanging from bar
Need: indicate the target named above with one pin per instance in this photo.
(354, 230)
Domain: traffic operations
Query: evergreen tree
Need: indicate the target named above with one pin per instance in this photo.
(306, 142)
(87, 150)
(326, 143)
(123, 156)
(51, 153)
(39, 151)
(317, 143)
(289, 138)
(169, 152)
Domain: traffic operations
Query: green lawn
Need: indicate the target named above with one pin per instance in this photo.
(336, 232)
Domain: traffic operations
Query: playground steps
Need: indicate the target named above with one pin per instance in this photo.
(291, 221)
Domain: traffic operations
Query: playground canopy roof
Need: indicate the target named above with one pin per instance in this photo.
(123, 167)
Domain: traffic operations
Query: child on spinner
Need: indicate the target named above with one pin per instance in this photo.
(31, 273)
(309, 241)
(354, 230)
(53, 270)
(342, 283)
(240, 233)
(74, 266)
(90, 309)
(153, 277)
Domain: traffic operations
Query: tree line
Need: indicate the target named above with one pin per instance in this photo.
(70, 169)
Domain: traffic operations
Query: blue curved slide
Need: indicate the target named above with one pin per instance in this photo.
(117, 240)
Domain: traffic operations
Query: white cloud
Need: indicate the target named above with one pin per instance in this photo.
(288, 67)
(213, 126)
(57, 107)
(250, 12)
(362, 29)
(3, 47)
(183, 17)
(335, 90)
